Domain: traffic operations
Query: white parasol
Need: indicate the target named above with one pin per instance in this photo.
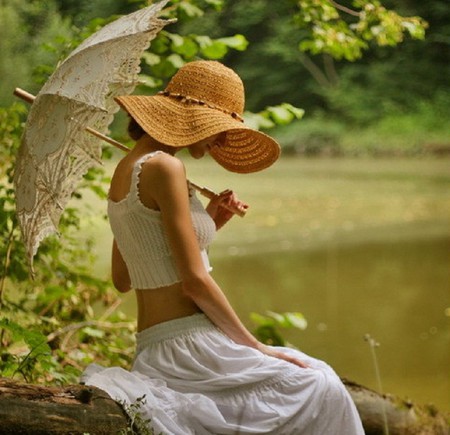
(56, 150)
(73, 109)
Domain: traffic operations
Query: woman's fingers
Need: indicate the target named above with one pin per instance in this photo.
(281, 355)
(293, 360)
(229, 198)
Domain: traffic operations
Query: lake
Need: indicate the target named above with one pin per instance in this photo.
(398, 292)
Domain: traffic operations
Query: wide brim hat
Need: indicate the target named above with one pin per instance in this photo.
(203, 99)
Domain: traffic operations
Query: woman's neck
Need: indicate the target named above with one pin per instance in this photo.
(147, 144)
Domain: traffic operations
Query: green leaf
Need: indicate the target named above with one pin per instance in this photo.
(151, 58)
(261, 320)
(217, 4)
(212, 49)
(176, 60)
(258, 121)
(296, 320)
(149, 81)
(160, 44)
(164, 69)
(238, 42)
(185, 46)
(36, 341)
(190, 10)
(217, 50)
(280, 114)
(92, 332)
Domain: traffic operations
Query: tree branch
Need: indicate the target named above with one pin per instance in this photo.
(314, 70)
(345, 9)
(330, 70)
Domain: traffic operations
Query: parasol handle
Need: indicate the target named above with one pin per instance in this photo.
(29, 98)
(208, 193)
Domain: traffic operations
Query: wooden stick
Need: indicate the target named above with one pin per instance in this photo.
(208, 193)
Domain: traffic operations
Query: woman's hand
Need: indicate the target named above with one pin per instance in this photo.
(270, 351)
(217, 207)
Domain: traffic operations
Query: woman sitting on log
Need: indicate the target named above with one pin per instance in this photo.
(200, 370)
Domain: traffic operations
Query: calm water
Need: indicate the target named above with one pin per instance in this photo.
(398, 292)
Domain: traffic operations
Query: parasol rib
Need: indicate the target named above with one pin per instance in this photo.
(208, 193)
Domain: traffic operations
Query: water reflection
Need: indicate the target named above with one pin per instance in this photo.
(398, 292)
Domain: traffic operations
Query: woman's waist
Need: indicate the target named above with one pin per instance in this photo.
(172, 328)
(155, 306)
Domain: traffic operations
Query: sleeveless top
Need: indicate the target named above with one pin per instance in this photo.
(142, 241)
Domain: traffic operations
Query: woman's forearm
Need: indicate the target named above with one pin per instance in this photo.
(208, 296)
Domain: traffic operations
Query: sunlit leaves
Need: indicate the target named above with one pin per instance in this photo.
(189, 9)
(184, 46)
(284, 113)
(236, 42)
(27, 350)
(345, 33)
(267, 330)
(335, 39)
(281, 114)
(170, 51)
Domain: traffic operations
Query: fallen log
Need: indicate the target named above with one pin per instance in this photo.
(40, 410)
(77, 410)
(400, 417)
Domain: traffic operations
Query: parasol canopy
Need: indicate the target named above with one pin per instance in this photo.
(56, 149)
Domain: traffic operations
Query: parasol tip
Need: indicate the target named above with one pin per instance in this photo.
(24, 95)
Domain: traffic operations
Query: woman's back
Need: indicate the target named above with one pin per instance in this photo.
(138, 228)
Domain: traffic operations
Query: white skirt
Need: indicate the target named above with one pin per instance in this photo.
(197, 381)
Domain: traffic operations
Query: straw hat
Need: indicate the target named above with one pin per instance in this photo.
(204, 98)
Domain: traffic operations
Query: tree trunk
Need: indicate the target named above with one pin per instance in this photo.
(77, 410)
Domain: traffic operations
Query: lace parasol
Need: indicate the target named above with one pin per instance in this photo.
(56, 150)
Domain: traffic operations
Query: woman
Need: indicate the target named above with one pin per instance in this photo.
(199, 368)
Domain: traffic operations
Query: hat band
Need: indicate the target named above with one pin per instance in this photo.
(188, 99)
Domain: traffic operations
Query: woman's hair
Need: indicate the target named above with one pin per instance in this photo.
(135, 131)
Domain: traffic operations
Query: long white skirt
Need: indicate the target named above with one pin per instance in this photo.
(198, 381)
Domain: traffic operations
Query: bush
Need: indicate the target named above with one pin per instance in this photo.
(422, 131)
(311, 137)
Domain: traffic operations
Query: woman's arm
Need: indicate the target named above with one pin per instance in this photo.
(167, 176)
(120, 275)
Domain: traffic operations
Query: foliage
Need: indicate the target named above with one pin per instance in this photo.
(29, 34)
(312, 137)
(421, 131)
(54, 325)
(137, 424)
(267, 326)
(347, 39)
(275, 69)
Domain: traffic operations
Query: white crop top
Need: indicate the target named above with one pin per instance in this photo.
(141, 239)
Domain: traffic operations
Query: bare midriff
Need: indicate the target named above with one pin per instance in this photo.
(162, 304)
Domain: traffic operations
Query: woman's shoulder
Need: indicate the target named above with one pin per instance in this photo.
(163, 166)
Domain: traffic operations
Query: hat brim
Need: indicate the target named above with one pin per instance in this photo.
(246, 150)
(179, 124)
